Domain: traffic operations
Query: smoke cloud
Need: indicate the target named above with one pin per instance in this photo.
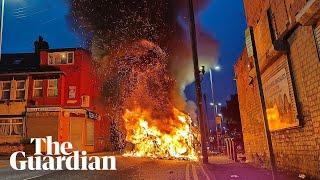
(112, 27)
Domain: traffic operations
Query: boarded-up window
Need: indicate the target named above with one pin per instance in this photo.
(317, 37)
(90, 132)
(279, 96)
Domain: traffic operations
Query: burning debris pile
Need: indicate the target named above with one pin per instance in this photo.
(143, 55)
(154, 127)
(169, 138)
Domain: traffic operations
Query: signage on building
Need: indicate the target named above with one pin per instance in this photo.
(249, 41)
(280, 101)
(92, 115)
(44, 109)
(72, 92)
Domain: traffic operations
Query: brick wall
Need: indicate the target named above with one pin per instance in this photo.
(253, 10)
(296, 149)
(251, 112)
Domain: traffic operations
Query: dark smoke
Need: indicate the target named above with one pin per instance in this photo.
(110, 23)
(112, 27)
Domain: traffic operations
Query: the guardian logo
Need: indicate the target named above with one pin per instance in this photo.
(61, 158)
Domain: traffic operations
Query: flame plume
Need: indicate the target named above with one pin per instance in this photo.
(170, 138)
(142, 53)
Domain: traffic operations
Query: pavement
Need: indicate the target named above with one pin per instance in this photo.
(219, 168)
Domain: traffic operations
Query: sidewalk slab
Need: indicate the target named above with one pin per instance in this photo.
(222, 168)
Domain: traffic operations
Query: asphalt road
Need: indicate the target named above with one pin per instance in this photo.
(152, 169)
(127, 168)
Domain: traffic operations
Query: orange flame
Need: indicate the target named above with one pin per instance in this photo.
(170, 138)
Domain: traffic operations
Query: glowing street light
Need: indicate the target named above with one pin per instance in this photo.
(217, 68)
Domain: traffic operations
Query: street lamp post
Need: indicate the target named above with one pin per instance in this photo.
(193, 37)
(1, 27)
(213, 104)
(212, 94)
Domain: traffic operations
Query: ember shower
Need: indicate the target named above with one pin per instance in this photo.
(141, 51)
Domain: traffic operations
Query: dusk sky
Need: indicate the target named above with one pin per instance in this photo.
(25, 20)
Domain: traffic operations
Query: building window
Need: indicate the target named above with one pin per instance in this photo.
(52, 87)
(58, 58)
(21, 90)
(316, 32)
(11, 127)
(38, 88)
(6, 86)
(90, 132)
(70, 58)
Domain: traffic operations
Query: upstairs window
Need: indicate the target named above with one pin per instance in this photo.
(21, 90)
(52, 87)
(38, 88)
(59, 58)
(5, 90)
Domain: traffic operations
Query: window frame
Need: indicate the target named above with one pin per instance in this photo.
(24, 89)
(37, 88)
(7, 90)
(53, 88)
(60, 63)
(11, 123)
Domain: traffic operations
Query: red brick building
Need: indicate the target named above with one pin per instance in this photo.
(286, 37)
(61, 97)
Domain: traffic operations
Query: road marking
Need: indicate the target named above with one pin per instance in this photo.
(34, 177)
(194, 173)
(187, 172)
(205, 173)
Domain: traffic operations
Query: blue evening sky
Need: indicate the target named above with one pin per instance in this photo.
(25, 20)
(225, 21)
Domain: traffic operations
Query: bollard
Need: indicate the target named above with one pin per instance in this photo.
(234, 150)
(230, 148)
(227, 144)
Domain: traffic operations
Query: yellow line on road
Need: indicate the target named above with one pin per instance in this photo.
(205, 173)
(194, 173)
(187, 172)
